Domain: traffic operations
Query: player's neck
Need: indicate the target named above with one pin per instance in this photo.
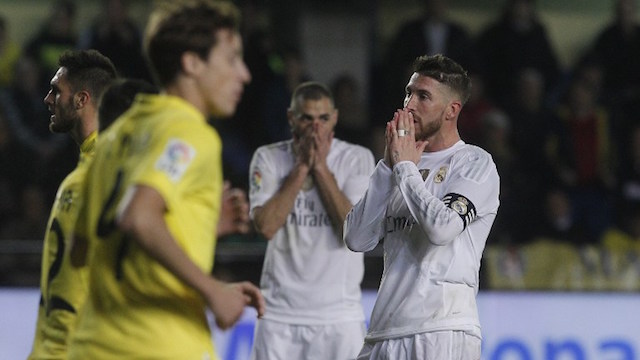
(442, 141)
(84, 128)
(186, 90)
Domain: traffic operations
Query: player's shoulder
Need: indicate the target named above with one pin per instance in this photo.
(176, 133)
(345, 148)
(475, 162)
(72, 179)
(473, 153)
(279, 147)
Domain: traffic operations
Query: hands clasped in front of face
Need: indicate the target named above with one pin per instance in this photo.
(401, 144)
(312, 146)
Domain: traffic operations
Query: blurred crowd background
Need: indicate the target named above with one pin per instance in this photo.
(556, 101)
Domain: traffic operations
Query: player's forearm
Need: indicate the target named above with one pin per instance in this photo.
(153, 236)
(440, 223)
(270, 217)
(142, 220)
(362, 233)
(333, 199)
(364, 226)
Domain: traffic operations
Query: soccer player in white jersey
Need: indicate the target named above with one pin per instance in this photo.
(432, 200)
(300, 192)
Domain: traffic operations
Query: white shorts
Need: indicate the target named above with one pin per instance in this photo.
(279, 341)
(450, 345)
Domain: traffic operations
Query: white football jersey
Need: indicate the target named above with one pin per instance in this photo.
(434, 219)
(309, 276)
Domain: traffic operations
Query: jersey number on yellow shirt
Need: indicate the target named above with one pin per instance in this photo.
(107, 225)
(53, 301)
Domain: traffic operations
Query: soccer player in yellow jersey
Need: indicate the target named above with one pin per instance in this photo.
(154, 195)
(73, 101)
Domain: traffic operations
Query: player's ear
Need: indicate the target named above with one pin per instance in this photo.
(191, 62)
(453, 109)
(81, 99)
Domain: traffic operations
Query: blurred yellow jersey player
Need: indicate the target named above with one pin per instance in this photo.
(178, 154)
(77, 85)
(153, 199)
(63, 287)
(154, 195)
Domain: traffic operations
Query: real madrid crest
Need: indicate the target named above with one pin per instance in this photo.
(424, 173)
(442, 173)
(460, 205)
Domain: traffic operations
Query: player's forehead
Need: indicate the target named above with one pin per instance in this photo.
(422, 82)
(315, 106)
(60, 79)
(228, 42)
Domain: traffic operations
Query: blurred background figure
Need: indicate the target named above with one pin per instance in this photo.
(354, 119)
(53, 155)
(586, 157)
(56, 35)
(515, 41)
(533, 139)
(12, 177)
(627, 190)
(9, 53)
(617, 49)
(558, 221)
(494, 135)
(31, 221)
(472, 115)
(292, 73)
(431, 33)
(115, 35)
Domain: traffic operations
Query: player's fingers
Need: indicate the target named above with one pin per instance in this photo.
(411, 125)
(421, 145)
(258, 303)
(253, 297)
(394, 124)
(243, 228)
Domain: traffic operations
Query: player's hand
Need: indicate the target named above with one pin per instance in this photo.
(304, 147)
(253, 296)
(400, 139)
(234, 212)
(227, 301)
(322, 140)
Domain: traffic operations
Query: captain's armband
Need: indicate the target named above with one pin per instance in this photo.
(461, 205)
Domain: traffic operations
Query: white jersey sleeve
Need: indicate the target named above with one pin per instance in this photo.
(361, 165)
(444, 219)
(263, 177)
(364, 225)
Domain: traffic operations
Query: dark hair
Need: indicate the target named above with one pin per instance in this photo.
(445, 71)
(118, 98)
(88, 70)
(310, 90)
(175, 28)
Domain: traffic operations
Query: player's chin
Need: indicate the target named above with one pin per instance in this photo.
(58, 128)
(224, 110)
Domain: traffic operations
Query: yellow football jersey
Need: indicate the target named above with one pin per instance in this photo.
(137, 308)
(63, 287)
